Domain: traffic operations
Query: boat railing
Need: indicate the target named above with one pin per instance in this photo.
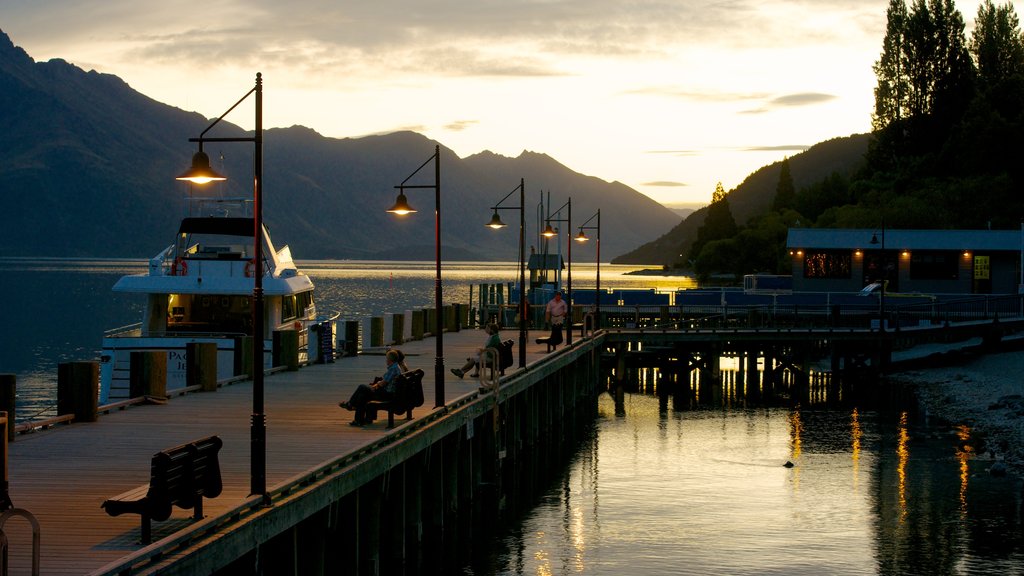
(124, 331)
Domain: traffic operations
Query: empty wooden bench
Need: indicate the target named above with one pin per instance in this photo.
(181, 476)
(408, 395)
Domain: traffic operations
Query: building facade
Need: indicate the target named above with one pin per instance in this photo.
(925, 261)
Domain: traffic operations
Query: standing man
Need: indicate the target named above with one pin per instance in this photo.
(554, 314)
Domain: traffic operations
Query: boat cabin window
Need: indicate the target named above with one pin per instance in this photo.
(295, 306)
(202, 313)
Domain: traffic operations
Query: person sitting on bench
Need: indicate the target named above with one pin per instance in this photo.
(382, 388)
(493, 341)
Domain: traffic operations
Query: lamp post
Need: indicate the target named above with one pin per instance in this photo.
(201, 173)
(402, 208)
(583, 238)
(550, 232)
(497, 223)
(885, 277)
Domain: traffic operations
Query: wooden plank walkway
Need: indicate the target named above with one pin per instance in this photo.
(62, 475)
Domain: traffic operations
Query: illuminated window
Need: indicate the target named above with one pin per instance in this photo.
(827, 265)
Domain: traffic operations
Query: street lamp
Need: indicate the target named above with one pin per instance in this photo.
(885, 276)
(497, 223)
(550, 232)
(201, 173)
(583, 238)
(402, 208)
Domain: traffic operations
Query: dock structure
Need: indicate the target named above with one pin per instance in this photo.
(370, 500)
(332, 485)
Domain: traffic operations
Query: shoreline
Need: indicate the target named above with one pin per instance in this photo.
(984, 393)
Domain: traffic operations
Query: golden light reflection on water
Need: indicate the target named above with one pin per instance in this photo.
(902, 457)
(856, 433)
(796, 431)
(964, 452)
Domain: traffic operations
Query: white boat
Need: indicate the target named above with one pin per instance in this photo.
(199, 289)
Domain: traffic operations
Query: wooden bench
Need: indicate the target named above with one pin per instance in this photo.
(504, 356)
(408, 395)
(181, 476)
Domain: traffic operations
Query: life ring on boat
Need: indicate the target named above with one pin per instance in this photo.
(298, 325)
(179, 267)
(250, 268)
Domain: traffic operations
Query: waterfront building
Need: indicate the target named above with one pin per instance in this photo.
(915, 261)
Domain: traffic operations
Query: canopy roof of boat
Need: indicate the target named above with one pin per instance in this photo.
(233, 226)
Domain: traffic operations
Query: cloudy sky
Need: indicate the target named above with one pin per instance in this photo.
(667, 96)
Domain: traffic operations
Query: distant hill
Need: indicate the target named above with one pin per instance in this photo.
(87, 167)
(755, 194)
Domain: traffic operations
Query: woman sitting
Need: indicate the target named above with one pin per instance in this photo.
(382, 388)
(493, 341)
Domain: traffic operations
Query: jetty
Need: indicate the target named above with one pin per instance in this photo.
(62, 475)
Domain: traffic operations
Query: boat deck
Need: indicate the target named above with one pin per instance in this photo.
(63, 474)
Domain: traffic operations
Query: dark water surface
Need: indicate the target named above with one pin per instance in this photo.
(707, 492)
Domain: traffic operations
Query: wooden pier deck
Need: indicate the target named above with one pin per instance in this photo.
(63, 474)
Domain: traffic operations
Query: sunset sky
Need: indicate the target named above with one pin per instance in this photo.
(667, 96)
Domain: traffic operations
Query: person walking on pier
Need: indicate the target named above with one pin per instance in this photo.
(493, 341)
(382, 388)
(554, 314)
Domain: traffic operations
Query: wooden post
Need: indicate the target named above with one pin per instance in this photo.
(147, 374)
(78, 389)
(376, 331)
(243, 356)
(8, 389)
(286, 347)
(351, 337)
(418, 321)
(397, 328)
(201, 365)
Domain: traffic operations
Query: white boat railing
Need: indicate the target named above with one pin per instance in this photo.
(124, 331)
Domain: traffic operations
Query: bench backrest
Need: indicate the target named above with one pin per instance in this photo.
(180, 475)
(409, 389)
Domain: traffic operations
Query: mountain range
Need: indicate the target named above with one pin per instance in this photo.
(87, 168)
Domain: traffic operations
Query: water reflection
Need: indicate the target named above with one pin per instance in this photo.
(700, 487)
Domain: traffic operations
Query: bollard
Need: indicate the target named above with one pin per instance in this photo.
(397, 328)
(8, 390)
(147, 374)
(351, 337)
(201, 365)
(376, 331)
(78, 389)
(286, 346)
(243, 356)
(418, 321)
(5, 496)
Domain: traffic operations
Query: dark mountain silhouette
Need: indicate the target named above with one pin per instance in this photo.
(754, 195)
(87, 167)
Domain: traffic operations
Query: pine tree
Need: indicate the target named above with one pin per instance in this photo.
(719, 223)
(890, 69)
(785, 191)
(997, 44)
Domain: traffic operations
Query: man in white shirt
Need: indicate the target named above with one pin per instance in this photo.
(555, 313)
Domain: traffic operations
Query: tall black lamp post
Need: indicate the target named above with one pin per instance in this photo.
(549, 232)
(885, 277)
(583, 238)
(201, 173)
(523, 305)
(402, 208)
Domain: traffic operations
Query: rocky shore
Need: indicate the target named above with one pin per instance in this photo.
(986, 393)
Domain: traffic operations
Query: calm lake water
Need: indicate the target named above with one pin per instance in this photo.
(653, 488)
